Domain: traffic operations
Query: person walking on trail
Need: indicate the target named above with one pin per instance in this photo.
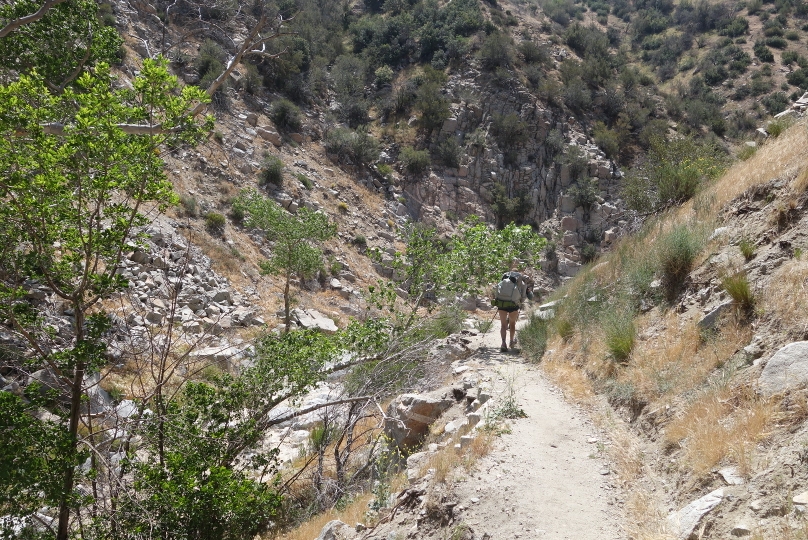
(514, 288)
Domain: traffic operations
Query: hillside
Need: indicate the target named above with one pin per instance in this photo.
(692, 330)
(653, 150)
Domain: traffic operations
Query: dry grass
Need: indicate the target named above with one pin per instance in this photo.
(782, 158)
(722, 425)
(561, 370)
(646, 517)
(447, 459)
(678, 360)
(354, 512)
(784, 300)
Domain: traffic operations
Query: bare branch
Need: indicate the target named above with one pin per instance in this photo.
(319, 406)
(28, 19)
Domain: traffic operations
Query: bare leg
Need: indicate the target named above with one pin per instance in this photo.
(503, 329)
(513, 316)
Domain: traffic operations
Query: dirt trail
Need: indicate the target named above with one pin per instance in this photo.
(549, 478)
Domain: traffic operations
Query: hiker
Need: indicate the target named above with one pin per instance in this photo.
(509, 294)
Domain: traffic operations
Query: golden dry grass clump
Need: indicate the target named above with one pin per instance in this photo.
(784, 300)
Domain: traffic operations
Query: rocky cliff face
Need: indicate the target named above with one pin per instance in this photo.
(535, 170)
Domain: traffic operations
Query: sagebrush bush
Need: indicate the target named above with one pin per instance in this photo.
(414, 161)
(286, 115)
(215, 222)
(272, 171)
(449, 152)
(676, 251)
(355, 146)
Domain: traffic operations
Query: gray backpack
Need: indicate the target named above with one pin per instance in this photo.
(508, 288)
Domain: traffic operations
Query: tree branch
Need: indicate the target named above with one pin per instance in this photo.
(28, 19)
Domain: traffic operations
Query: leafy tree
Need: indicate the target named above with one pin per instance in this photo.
(75, 186)
(297, 239)
(435, 268)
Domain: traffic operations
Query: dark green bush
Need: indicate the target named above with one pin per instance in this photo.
(286, 115)
(434, 106)
(215, 222)
(763, 53)
(272, 170)
(676, 251)
(414, 161)
(497, 51)
(449, 152)
(776, 102)
(210, 62)
(509, 130)
(777, 42)
(533, 53)
(585, 192)
(354, 146)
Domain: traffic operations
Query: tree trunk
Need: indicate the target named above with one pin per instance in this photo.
(73, 429)
(286, 302)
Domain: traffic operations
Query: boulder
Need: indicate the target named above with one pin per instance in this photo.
(311, 318)
(410, 415)
(336, 530)
(684, 521)
(787, 369)
(269, 135)
(709, 321)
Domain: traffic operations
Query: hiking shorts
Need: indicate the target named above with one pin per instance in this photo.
(507, 306)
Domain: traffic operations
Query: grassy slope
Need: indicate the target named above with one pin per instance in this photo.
(689, 394)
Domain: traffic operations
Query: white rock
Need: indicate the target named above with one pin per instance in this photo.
(787, 369)
(685, 520)
(731, 476)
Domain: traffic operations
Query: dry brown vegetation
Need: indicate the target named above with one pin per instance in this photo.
(685, 380)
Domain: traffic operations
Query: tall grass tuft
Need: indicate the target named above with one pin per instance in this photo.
(620, 333)
(738, 287)
(533, 337)
(677, 250)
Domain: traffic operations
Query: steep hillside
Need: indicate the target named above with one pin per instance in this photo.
(693, 329)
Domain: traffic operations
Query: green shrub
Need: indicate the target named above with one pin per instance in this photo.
(676, 251)
(776, 127)
(620, 333)
(384, 75)
(533, 338)
(210, 62)
(746, 152)
(215, 222)
(286, 115)
(509, 130)
(189, 205)
(671, 174)
(272, 171)
(775, 103)
(747, 247)
(763, 53)
(434, 106)
(305, 180)
(414, 161)
(585, 192)
(589, 252)
(356, 146)
(449, 152)
(360, 240)
(739, 289)
(607, 140)
(497, 51)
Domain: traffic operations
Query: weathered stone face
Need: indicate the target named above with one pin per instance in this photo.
(787, 369)
(410, 415)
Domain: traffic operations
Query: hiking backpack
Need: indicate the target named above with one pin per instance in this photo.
(508, 288)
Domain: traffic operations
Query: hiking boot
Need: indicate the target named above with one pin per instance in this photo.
(513, 344)
(504, 348)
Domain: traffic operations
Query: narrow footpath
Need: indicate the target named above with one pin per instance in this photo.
(549, 477)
